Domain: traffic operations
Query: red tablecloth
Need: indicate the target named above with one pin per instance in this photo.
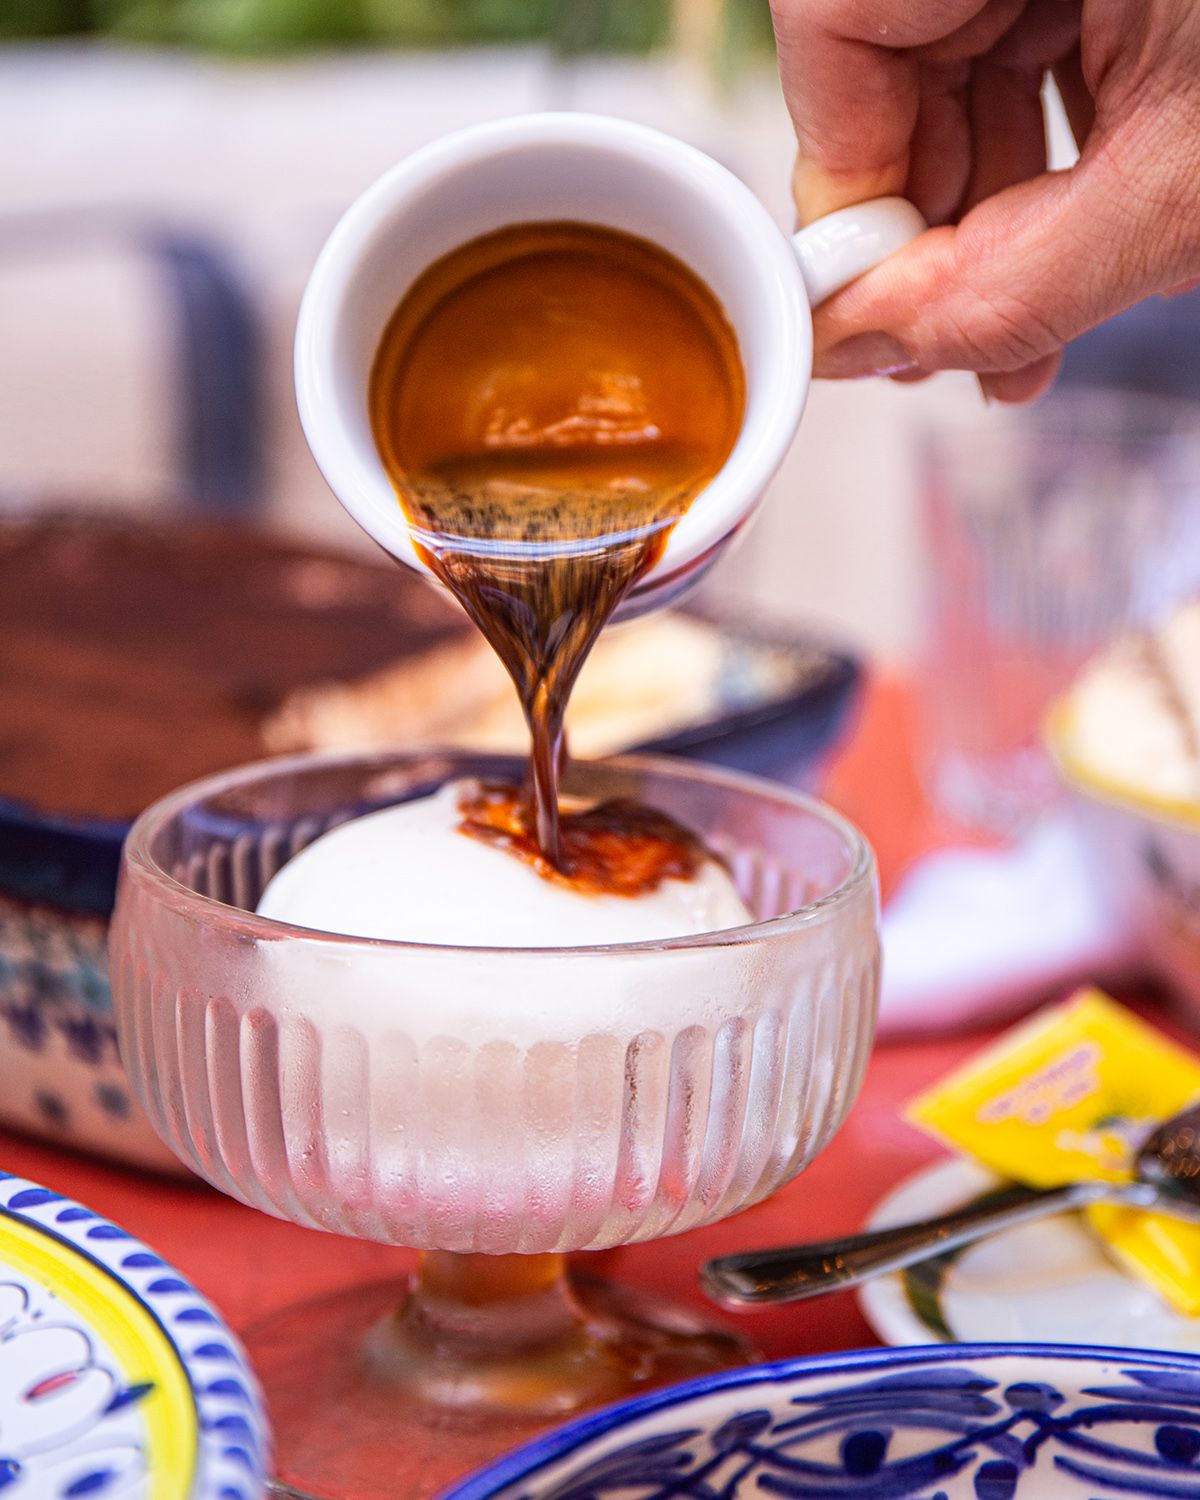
(251, 1265)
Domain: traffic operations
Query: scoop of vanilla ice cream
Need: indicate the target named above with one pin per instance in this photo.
(409, 874)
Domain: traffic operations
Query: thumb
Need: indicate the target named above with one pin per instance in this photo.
(1024, 272)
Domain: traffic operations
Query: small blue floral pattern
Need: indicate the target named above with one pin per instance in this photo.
(58, 1043)
(53, 956)
(972, 1423)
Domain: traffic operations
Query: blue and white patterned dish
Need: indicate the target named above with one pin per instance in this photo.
(58, 1043)
(118, 1381)
(965, 1422)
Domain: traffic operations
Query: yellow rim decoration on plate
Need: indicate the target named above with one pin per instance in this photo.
(113, 1370)
(135, 1338)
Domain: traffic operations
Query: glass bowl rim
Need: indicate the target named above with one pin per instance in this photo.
(138, 865)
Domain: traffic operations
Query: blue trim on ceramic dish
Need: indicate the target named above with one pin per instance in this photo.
(48, 859)
(233, 1446)
(70, 864)
(772, 738)
(877, 1407)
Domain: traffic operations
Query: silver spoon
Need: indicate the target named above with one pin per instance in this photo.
(1167, 1180)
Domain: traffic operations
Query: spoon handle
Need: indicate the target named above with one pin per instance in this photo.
(795, 1272)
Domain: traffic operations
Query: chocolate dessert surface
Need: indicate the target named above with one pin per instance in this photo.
(137, 657)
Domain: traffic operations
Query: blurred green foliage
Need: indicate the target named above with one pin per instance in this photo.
(570, 27)
(25, 18)
(237, 25)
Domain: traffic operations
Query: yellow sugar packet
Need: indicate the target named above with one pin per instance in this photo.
(1069, 1095)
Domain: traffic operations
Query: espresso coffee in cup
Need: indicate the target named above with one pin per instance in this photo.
(553, 361)
(611, 175)
(547, 400)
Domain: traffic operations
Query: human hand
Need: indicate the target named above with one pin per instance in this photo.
(940, 101)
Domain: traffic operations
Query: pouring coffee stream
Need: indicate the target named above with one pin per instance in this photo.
(548, 400)
(539, 599)
(663, 362)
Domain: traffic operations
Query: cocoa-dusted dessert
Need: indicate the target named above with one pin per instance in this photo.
(138, 657)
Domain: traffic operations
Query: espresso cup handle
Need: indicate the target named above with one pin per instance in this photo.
(835, 250)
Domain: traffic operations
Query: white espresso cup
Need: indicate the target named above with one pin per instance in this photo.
(596, 170)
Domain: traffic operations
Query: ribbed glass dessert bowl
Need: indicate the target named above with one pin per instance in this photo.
(492, 1108)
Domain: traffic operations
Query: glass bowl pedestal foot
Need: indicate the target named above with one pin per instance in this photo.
(374, 1392)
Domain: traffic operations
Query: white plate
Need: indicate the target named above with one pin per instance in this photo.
(971, 1422)
(1044, 1283)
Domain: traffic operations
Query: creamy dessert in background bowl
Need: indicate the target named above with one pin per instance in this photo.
(1126, 741)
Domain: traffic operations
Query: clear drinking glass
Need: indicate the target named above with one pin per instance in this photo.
(493, 1108)
(1047, 530)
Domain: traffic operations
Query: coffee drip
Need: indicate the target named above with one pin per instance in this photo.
(548, 400)
(616, 848)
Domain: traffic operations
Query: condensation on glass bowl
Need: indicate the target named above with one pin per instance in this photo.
(494, 1100)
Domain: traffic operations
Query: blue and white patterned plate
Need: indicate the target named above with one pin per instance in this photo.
(117, 1380)
(964, 1422)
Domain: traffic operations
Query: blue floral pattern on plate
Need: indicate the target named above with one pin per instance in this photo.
(966, 1422)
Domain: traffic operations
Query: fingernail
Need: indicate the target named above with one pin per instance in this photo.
(983, 391)
(864, 354)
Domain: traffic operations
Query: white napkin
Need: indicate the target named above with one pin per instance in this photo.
(975, 935)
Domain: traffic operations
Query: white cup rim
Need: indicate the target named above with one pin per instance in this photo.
(781, 383)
